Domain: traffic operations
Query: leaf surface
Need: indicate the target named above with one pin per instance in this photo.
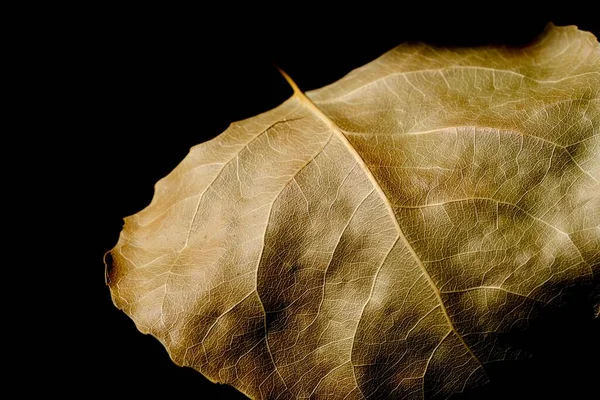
(378, 237)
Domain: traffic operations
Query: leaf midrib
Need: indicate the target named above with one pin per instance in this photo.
(340, 135)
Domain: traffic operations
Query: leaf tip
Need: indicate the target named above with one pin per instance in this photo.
(551, 28)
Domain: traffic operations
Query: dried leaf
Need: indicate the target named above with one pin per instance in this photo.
(376, 237)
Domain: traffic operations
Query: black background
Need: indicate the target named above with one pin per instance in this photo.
(146, 84)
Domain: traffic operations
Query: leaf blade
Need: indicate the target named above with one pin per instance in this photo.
(274, 257)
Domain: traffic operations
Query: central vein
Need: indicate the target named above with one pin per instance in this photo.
(338, 132)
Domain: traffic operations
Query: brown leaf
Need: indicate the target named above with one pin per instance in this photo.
(376, 237)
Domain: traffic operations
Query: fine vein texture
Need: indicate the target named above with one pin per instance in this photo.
(376, 238)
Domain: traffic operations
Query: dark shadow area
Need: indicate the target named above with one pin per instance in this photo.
(563, 349)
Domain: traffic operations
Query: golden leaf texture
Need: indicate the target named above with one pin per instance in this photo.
(376, 237)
